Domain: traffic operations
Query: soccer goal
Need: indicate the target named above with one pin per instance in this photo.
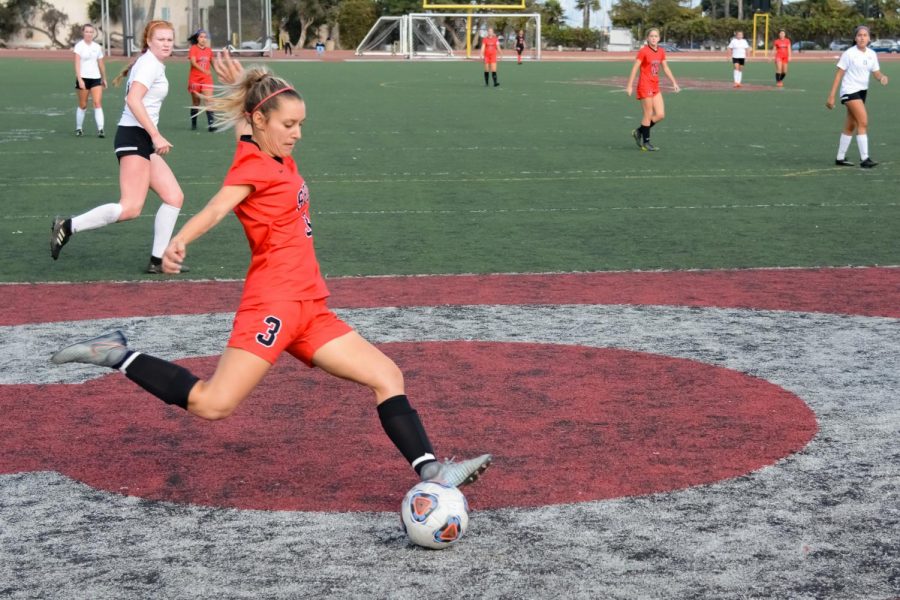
(451, 35)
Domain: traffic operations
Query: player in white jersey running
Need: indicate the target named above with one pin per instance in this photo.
(90, 79)
(738, 47)
(139, 147)
(853, 70)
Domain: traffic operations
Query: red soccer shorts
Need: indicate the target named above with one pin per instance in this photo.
(300, 328)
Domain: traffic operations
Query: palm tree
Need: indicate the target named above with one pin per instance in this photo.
(586, 6)
(552, 13)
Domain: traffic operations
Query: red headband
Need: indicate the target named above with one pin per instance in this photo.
(275, 93)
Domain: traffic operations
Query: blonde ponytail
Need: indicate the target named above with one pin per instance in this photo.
(258, 90)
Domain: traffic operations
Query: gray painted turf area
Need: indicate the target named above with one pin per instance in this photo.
(823, 523)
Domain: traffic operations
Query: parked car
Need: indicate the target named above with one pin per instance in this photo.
(885, 46)
(669, 46)
(805, 45)
(839, 45)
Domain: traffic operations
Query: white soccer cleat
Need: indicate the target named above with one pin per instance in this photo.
(106, 350)
(456, 474)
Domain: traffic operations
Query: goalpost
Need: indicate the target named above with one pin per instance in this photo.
(432, 35)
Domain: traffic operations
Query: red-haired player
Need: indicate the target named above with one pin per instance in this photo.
(650, 59)
(490, 50)
(283, 306)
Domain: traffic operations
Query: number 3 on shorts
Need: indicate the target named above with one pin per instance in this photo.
(268, 338)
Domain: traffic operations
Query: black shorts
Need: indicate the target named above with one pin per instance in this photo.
(133, 141)
(520, 49)
(738, 61)
(860, 95)
(89, 83)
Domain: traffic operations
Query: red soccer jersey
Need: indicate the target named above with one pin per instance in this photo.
(203, 56)
(275, 216)
(489, 44)
(651, 63)
(782, 47)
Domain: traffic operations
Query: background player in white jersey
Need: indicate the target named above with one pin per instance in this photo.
(90, 79)
(738, 47)
(853, 69)
(140, 148)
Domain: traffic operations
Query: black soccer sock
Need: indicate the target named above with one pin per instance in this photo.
(486, 75)
(210, 117)
(167, 381)
(650, 126)
(402, 425)
(645, 132)
(194, 112)
(783, 75)
(494, 76)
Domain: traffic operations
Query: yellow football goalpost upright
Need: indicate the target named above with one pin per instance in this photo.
(469, 9)
(756, 18)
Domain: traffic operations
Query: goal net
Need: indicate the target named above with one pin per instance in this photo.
(451, 35)
(241, 25)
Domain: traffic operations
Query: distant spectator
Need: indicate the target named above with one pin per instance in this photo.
(284, 38)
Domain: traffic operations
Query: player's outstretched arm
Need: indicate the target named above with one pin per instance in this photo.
(221, 204)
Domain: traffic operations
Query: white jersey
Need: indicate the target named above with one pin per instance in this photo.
(90, 55)
(738, 47)
(857, 65)
(149, 71)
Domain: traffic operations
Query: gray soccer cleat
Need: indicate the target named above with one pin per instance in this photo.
(107, 350)
(456, 474)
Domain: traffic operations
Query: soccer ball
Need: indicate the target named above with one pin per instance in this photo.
(434, 515)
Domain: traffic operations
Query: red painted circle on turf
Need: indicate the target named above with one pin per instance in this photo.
(565, 423)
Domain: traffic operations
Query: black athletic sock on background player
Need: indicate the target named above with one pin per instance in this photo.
(194, 112)
(494, 75)
(486, 78)
(644, 130)
(402, 425)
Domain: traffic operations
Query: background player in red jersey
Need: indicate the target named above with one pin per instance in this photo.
(200, 79)
(782, 45)
(490, 50)
(650, 59)
(283, 307)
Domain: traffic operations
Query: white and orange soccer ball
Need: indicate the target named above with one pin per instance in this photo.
(434, 515)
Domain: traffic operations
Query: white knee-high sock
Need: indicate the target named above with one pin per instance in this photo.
(79, 118)
(97, 217)
(166, 217)
(843, 146)
(98, 117)
(738, 75)
(862, 141)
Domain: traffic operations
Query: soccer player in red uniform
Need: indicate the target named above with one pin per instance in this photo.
(490, 50)
(283, 307)
(782, 45)
(650, 59)
(200, 79)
